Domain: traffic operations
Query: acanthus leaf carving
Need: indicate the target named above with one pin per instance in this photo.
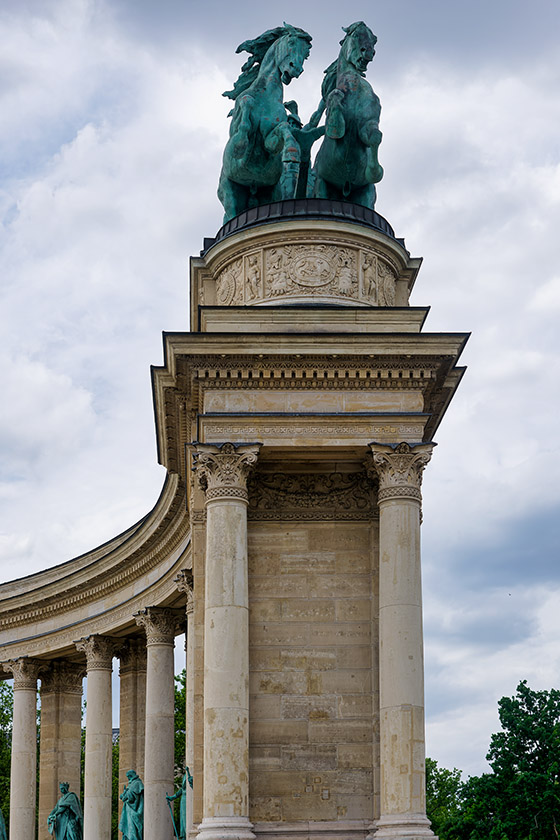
(25, 671)
(99, 651)
(222, 470)
(399, 468)
(63, 677)
(160, 624)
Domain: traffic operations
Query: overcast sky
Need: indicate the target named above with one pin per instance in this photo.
(112, 126)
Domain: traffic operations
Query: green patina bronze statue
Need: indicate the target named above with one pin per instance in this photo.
(65, 821)
(182, 793)
(3, 835)
(262, 157)
(346, 166)
(131, 823)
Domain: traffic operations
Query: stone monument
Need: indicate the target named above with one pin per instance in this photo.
(295, 418)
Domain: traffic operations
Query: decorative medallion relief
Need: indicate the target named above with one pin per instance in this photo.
(315, 496)
(307, 270)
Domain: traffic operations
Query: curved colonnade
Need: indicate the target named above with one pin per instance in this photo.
(126, 599)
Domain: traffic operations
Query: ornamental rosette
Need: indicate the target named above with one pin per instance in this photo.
(399, 469)
(222, 470)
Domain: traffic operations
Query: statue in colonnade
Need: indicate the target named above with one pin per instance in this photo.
(131, 823)
(65, 820)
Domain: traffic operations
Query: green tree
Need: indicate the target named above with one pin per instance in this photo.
(442, 795)
(6, 718)
(520, 799)
(180, 724)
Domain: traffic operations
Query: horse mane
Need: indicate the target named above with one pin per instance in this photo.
(257, 49)
(329, 79)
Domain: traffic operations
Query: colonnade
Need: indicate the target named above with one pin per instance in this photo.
(147, 672)
(147, 733)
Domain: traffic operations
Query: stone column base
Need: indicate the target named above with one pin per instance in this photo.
(313, 830)
(403, 827)
(225, 828)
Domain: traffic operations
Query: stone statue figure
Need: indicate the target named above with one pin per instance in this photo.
(182, 792)
(3, 835)
(261, 158)
(65, 821)
(131, 823)
(346, 166)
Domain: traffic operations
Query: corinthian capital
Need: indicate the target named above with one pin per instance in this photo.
(25, 671)
(399, 469)
(160, 624)
(99, 652)
(222, 470)
(185, 583)
(63, 677)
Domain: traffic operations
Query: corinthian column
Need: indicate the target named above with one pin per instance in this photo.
(160, 626)
(99, 722)
(61, 731)
(401, 656)
(23, 779)
(185, 583)
(222, 472)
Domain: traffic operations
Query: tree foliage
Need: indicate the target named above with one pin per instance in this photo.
(520, 798)
(6, 717)
(442, 795)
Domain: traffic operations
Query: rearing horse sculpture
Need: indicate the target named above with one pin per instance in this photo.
(261, 159)
(346, 166)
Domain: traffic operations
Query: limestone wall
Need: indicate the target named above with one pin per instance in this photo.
(313, 661)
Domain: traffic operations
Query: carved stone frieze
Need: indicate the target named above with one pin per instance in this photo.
(133, 656)
(99, 651)
(311, 496)
(338, 430)
(62, 677)
(25, 671)
(222, 470)
(399, 469)
(307, 269)
(160, 624)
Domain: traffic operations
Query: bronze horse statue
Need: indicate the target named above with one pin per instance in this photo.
(346, 166)
(261, 159)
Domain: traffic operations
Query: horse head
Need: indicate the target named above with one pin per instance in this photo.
(290, 52)
(358, 46)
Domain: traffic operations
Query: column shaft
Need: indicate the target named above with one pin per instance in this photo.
(23, 779)
(189, 714)
(160, 626)
(223, 472)
(99, 720)
(401, 653)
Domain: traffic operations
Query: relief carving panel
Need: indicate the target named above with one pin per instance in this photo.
(311, 496)
(307, 270)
